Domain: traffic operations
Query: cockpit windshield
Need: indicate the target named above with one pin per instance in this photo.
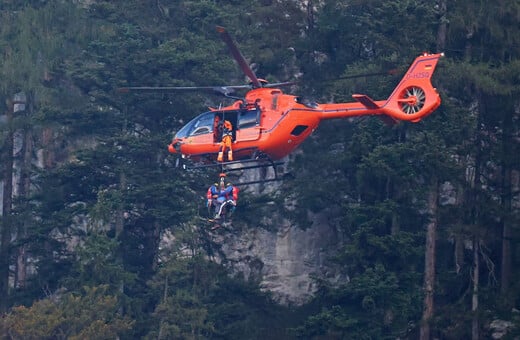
(205, 122)
(201, 124)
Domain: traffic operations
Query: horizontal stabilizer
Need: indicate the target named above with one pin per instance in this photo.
(368, 102)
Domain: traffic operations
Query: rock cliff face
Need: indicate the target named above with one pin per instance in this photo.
(281, 257)
(281, 261)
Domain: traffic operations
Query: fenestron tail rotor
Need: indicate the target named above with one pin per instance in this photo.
(412, 100)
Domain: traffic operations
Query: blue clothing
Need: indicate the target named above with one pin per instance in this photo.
(223, 194)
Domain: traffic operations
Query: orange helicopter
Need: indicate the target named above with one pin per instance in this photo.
(268, 125)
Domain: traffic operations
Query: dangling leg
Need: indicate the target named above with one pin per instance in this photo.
(217, 210)
(228, 144)
(220, 156)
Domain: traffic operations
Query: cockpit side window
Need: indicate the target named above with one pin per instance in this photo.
(203, 125)
(248, 119)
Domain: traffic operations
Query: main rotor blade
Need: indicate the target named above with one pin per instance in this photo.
(384, 73)
(282, 84)
(238, 56)
(330, 80)
(225, 90)
(299, 81)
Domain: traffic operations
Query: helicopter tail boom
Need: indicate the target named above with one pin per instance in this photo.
(413, 99)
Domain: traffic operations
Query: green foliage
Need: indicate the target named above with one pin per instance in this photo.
(384, 265)
(97, 263)
(182, 315)
(357, 33)
(485, 32)
(180, 287)
(108, 182)
(373, 305)
(90, 315)
(195, 298)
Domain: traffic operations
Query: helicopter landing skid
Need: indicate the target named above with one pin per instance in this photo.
(247, 164)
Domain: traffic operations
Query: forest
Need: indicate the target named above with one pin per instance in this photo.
(426, 215)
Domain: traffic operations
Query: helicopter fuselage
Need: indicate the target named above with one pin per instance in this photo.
(268, 123)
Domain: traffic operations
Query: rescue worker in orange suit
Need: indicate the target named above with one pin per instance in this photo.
(227, 140)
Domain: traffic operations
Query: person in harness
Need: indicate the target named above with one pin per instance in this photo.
(221, 196)
(227, 140)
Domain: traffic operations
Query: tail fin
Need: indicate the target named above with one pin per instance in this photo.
(415, 97)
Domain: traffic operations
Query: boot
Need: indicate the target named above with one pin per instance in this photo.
(230, 155)
(220, 156)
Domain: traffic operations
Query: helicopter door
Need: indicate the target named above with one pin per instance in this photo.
(247, 125)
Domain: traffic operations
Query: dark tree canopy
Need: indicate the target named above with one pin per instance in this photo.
(95, 190)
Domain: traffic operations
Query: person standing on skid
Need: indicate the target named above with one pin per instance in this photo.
(227, 140)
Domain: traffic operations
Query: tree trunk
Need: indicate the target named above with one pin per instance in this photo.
(24, 188)
(459, 253)
(7, 205)
(165, 299)
(24, 192)
(311, 21)
(48, 152)
(429, 262)
(120, 218)
(443, 25)
(474, 202)
(474, 298)
(507, 160)
(505, 275)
